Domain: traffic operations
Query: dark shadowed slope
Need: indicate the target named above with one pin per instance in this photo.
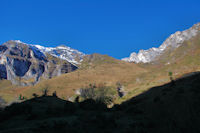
(173, 107)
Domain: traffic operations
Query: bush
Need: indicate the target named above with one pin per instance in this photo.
(45, 92)
(100, 93)
(35, 95)
(171, 78)
(170, 75)
(54, 94)
(22, 97)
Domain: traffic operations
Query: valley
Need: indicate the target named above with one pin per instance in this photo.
(67, 77)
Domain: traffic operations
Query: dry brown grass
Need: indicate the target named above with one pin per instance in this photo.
(136, 78)
(66, 84)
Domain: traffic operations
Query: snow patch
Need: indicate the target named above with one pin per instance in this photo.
(175, 40)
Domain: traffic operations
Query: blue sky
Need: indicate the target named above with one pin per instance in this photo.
(113, 27)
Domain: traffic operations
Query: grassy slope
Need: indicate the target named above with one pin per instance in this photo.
(8, 91)
(103, 69)
(136, 78)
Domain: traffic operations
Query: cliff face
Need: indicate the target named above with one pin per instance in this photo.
(24, 64)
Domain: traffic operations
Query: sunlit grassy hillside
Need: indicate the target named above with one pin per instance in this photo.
(102, 69)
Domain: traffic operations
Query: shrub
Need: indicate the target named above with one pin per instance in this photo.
(35, 95)
(101, 93)
(170, 75)
(45, 92)
(54, 94)
(171, 78)
(20, 97)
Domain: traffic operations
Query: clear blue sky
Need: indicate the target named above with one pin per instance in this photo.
(113, 27)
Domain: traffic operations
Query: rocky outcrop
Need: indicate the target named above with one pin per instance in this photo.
(24, 64)
(174, 41)
(63, 52)
(3, 73)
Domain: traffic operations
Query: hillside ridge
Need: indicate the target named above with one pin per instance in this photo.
(174, 41)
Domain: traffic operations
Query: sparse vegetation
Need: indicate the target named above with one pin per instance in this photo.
(100, 93)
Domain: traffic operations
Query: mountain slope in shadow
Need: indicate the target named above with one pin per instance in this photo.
(173, 107)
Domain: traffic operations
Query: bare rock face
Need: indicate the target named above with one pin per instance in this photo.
(24, 64)
(174, 41)
(3, 73)
(63, 52)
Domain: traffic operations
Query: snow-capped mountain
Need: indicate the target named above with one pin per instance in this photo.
(174, 41)
(25, 64)
(62, 52)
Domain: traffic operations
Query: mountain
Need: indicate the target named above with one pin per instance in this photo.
(94, 69)
(63, 52)
(180, 57)
(135, 77)
(173, 42)
(25, 64)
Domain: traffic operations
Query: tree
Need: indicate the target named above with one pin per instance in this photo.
(20, 97)
(171, 78)
(45, 91)
(170, 75)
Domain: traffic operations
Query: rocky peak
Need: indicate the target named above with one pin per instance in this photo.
(174, 41)
(63, 52)
(25, 64)
(22, 50)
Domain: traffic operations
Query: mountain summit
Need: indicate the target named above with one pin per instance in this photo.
(63, 52)
(174, 41)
